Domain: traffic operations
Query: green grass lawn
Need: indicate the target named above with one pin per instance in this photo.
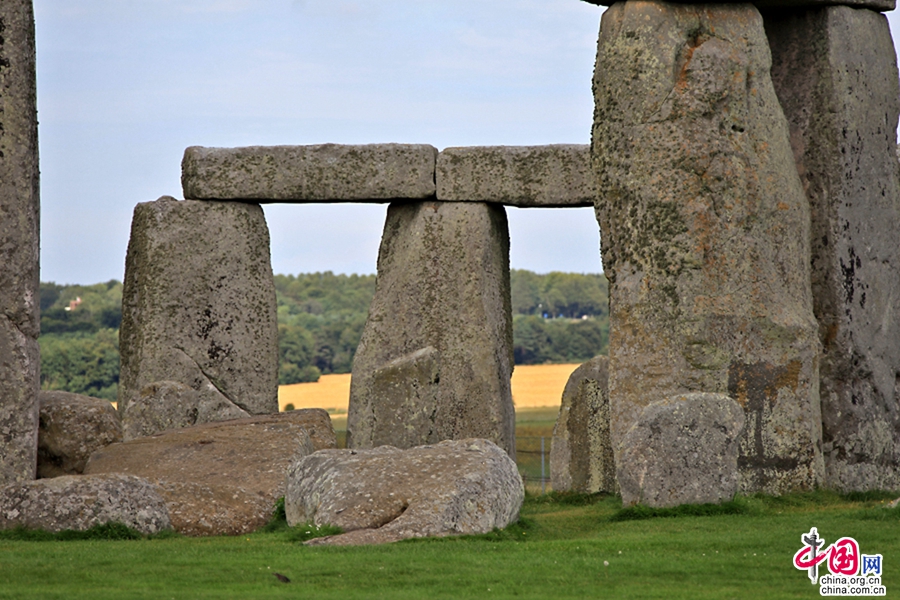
(564, 547)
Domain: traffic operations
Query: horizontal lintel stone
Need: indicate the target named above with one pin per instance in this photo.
(557, 175)
(879, 5)
(319, 173)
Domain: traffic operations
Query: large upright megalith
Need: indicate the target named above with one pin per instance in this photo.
(835, 72)
(705, 231)
(198, 308)
(19, 245)
(581, 455)
(435, 358)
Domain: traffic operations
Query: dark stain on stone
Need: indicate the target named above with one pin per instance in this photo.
(755, 387)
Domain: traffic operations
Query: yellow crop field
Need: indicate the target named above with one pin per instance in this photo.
(532, 386)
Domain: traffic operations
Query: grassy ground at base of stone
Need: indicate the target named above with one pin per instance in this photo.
(564, 547)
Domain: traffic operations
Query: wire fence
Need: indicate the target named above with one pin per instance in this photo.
(533, 460)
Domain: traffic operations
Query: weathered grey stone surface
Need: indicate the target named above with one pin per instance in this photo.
(581, 455)
(835, 72)
(525, 176)
(773, 6)
(321, 173)
(72, 427)
(682, 450)
(198, 307)
(161, 406)
(443, 283)
(385, 494)
(217, 478)
(705, 231)
(404, 398)
(19, 245)
(79, 502)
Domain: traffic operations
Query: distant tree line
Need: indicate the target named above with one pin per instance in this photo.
(557, 317)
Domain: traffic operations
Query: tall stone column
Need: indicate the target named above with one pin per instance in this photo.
(705, 231)
(835, 72)
(19, 245)
(198, 309)
(435, 358)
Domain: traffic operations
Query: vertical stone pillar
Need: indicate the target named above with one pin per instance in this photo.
(835, 72)
(581, 455)
(705, 231)
(435, 358)
(19, 245)
(198, 308)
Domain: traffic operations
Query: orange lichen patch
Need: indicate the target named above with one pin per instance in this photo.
(783, 206)
(532, 386)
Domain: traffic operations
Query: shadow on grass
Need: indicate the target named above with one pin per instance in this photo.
(106, 531)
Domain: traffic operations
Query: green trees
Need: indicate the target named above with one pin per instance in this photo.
(327, 309)
(557, 317)
(80, 339)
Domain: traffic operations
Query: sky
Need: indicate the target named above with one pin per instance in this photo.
(124, 86)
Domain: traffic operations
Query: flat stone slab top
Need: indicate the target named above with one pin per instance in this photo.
(879, 5)
(320, 173)
(557, 175)
(220, 478)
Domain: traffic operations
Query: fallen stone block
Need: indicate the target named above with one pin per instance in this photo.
(198, 308)
(705, 231)
(217, 478)
(835, 71)
(72, 427)
(581, 455)
(79, 502)
(442, 289)
(386, 494)
(526, 176)
(682, 450)
(320, 173)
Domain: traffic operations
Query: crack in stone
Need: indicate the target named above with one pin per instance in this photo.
(212, 382)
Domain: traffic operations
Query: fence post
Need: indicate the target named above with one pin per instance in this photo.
(542, 465)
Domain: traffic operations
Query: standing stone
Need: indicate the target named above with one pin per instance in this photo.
(435, 358)
(158, 407)
(581, 455)
(835, 72)
(682, 450)
(19, 245)
(198, 307)
(705, 231)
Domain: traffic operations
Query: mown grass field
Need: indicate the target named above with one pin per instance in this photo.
(564, 547)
